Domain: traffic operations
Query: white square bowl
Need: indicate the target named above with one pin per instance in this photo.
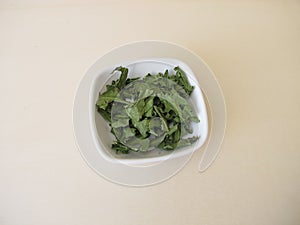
(101, 130)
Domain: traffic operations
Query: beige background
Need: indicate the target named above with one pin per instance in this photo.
(252, 46)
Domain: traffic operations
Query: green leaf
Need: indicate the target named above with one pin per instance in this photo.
(121, 82)
(107, 97)
(162, 118)
(173, 129)
(104, 114)
(120, 148)
(135, 112)
(183, 81)
(121, 122)
(139, 144)
(187, 141)
(130, 80)
(148, 104)
(149, 112)
(143, 127)
(156, 126)
(157, 141)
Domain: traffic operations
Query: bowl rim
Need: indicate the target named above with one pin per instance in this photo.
(156, 159)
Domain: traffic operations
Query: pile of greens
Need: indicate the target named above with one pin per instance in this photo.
(149, 112)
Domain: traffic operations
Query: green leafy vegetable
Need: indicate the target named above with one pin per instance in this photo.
(149, 112)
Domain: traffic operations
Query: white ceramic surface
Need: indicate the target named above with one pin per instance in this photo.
(103, 138)
(153, 172)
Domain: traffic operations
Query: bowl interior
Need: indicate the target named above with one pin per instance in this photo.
(101, 130)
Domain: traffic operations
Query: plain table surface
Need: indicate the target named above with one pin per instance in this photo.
(252, 46)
